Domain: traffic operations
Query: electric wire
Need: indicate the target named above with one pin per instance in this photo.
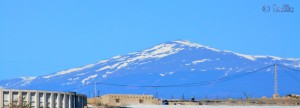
(181, 85)
(291, 75)
(288, 68)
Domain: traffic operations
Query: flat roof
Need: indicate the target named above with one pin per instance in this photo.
(49, 91)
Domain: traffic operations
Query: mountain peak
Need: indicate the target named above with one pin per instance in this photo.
(196, 45)
(187, 43)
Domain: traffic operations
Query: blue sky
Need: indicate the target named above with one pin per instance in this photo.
(39, 37)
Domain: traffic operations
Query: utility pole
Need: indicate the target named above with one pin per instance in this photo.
(156, 92)
(90, 94)
(275, 95)
(95, 89)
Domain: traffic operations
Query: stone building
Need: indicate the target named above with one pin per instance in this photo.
(10, 98)
(124, 100)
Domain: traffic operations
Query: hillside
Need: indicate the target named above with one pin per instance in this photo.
(172, 63)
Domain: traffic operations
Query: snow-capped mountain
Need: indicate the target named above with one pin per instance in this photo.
(171, 63)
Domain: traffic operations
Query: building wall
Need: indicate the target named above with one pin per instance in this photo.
(40, 99)
(124, 100)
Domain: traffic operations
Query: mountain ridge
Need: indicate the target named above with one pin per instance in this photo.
(172, 62)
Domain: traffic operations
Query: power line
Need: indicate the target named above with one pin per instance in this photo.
(291, 75)
(230, 78)
(288, 68)
(79, 87)
(182, 85)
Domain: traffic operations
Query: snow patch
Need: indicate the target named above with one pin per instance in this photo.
(133, 53)
(162, 75)
(167, 73)
(102, 61)
(73, 79)
(191, 44)
(108, 67)
(70, 83)
(249, 57)
(188, 43)
(158, 51)
(117, 65)
(293, 59)
(69, 71)
(116, 57)
(80, 74)
(246, 56)
(88, 78)
(200, 61)
(273, 57)
(276, 58)
(144, 62)
(106, 74)
(261, 56)
(220, 68)
(170, 73)
(122, 65)
(27, 80)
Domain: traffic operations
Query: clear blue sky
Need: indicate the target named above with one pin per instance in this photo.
(39, 37)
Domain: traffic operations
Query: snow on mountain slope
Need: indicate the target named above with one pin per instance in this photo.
(175, 62)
